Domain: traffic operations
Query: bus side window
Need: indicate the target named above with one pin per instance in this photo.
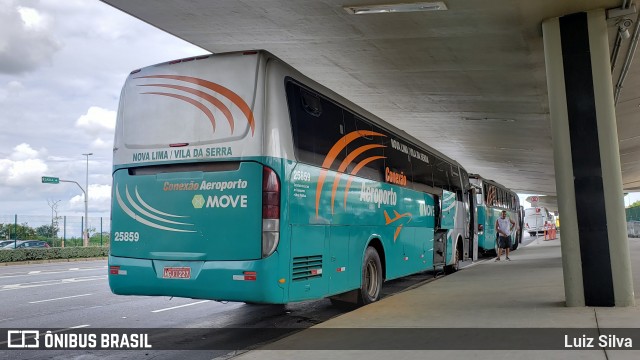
(441, 174)
(369, 161)
(311, 103)
(397, 166)
(316, 123)
(438, 208)
(423, 175)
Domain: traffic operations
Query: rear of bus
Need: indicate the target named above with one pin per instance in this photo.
(534, 220)
(195, 203)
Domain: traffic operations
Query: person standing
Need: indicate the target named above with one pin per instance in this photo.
(504, 226)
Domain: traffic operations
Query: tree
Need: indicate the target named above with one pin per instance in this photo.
(19, 232)
(99, 239)
(46, 230)
(635, 204)
(54, 228)
(4, 231)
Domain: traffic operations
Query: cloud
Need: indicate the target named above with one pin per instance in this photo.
(102, 144)
(59, 98)
(26, 40)
(11, 89)
(97, 121)
(23, 167)
(32, 19)
(24, 152)
(99, 199)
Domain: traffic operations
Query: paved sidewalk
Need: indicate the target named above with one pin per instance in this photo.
(524, 293)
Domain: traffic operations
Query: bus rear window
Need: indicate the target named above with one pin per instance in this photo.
(189, 167)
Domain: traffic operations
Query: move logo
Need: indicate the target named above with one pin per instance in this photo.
(198, 201)
(203, 97)
(220, 201)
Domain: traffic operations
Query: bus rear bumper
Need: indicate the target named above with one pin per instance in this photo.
(247, 281)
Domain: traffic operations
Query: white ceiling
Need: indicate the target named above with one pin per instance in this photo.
(469, 81)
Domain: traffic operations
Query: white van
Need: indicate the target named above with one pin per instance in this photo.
(535, 218)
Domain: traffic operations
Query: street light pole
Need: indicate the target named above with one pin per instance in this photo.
(85, 236)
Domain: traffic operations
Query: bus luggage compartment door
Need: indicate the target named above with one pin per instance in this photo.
(439, 248)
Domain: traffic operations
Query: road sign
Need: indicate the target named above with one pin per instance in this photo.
(50, 180)
(534, 201)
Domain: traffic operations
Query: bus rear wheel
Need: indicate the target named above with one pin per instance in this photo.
(515, 243)
(371, 277)
(450, 269)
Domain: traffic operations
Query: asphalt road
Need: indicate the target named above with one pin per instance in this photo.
(75, 295)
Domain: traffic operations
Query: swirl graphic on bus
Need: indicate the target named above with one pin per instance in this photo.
(146, 217)
(202, 95)
(333, 153)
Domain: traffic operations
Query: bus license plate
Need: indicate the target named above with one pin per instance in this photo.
(177, 273)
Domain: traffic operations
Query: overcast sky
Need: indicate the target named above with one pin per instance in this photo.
(62, 65)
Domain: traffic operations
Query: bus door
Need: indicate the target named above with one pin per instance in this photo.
(473, 224)
(447, 217)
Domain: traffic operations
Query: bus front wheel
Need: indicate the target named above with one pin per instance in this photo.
(371, 277)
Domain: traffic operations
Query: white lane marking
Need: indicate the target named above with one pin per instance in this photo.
(51, 332)
(47, 272)
(50, 282)
(74, 269)
(180, 306)
(60, 298)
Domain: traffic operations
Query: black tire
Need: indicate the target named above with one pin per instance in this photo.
(371, 277)
(515, 244)
(532, 234)
(450, 269)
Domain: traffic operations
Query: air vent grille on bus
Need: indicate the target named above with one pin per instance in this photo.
(307, 267)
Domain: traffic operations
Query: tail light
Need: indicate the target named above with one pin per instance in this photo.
(480, 229)
(270, 211)
(115, 270)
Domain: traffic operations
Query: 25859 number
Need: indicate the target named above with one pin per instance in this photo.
(301, 175)
(126, 236)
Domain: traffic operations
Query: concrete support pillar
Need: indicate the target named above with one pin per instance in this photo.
(595, 250)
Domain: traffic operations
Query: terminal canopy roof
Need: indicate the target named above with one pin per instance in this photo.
(469, 80)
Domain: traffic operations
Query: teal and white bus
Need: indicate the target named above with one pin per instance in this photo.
(237, 178)
(491, 199)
